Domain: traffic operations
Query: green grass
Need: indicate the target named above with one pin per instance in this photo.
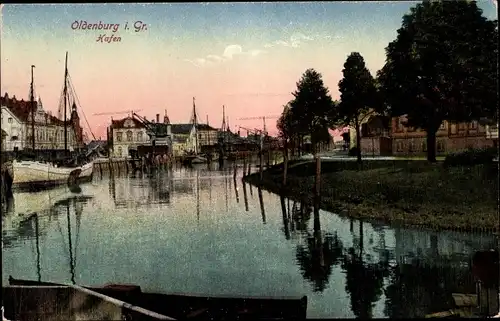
(399, 191)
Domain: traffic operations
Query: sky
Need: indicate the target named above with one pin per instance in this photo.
(246, 56)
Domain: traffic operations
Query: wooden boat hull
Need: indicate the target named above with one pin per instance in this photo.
(37, 174)
(187, 306)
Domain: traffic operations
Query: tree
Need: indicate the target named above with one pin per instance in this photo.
(442, 66)
(358, 94)
(285, 125)
(311, 106)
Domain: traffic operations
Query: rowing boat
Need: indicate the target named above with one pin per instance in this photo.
(176, 305)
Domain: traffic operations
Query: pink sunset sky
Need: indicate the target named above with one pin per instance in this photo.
(246, 56)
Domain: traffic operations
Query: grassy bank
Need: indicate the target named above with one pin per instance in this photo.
(403, 192)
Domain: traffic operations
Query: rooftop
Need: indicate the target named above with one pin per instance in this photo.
(22, 109)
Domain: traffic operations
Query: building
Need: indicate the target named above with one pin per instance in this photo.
(184, 140)
(131, 137)
(16, 121)
(450, 137)
(207, 136)
(376, 136)
(180, 136)
(126, 135)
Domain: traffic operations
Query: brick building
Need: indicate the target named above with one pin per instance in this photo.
(450, 137)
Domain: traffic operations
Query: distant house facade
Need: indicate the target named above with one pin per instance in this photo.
(17, 121)
(126, 134)
(450, 137)
(180, 136)
(184, 138)
(207, 135)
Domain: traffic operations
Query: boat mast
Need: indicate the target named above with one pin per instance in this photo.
(32, 100)
(224, 134)
(65, 107)
(195, 124)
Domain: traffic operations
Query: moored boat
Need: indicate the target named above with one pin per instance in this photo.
(35, 173)
(39, 174)
(177, 306)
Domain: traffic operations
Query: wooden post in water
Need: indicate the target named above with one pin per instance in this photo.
(317, 185)
(234, 169)
(261, 163)
(126, 165)
(110, 166)
(249, 168)
(285, 163)
(100, 168)
(244, 164)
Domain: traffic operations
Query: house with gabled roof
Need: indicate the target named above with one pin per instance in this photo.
(17, 120)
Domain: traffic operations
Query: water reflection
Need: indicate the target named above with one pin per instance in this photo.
(375, 270)
(415, 277)
(261, 203)
(245, 197)
(36, 226)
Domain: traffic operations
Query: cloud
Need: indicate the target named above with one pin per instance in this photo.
(297, 39)
(256, 52)
(294, 41)
(230, 52)
(214, 58)
(198, 62)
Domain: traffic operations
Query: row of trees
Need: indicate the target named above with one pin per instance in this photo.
(442, 66)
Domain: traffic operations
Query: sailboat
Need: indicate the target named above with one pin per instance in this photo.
(195, 157)
(42, 174)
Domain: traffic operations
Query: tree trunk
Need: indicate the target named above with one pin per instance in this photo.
(358, 140)
(431, 144)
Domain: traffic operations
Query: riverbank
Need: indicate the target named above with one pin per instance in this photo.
(414, 193)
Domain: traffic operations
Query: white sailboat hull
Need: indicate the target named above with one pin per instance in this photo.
(32, 172)
(87, 170)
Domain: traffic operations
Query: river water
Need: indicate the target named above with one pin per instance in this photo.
(200, 231)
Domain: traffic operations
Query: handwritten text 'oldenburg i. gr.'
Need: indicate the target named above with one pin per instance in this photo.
(110, 28)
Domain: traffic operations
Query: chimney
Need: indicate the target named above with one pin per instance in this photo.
(157, 118)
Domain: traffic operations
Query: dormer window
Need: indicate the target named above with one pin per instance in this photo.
(128, 123)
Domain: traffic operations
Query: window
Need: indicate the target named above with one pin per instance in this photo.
(411, 147)
(462, 126)
(399, 146)
(129, 136)
(139, 136)
(399, 125)
(473, 125)
(443, 126)
(453, 128)
(119, 137)
(424, 146)
(120, 150)
(10, 120)
(440, 146)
